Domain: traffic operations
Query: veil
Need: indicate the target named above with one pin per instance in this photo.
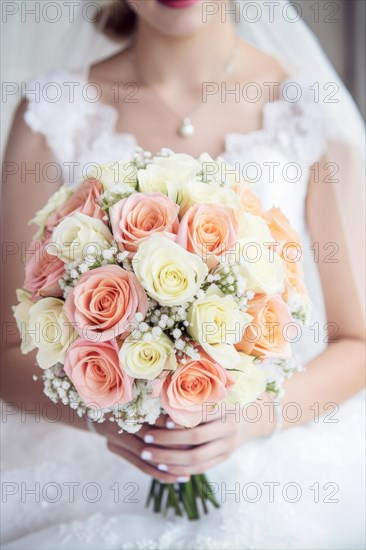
(280, 31)
(274, 27)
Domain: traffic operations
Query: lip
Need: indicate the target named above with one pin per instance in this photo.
(178, 4)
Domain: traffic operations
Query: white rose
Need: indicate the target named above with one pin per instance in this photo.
(21, 316)
(169, 274)
(51, 331)
(146, 360)
(80, 236)
(54, 202)
(113, 173)
(216, 322)
(206, 193)
(261, 267)
(250, 381)
(253, 227)
(168, 175)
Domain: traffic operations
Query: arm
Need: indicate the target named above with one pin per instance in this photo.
(338, 372)
(22, 195)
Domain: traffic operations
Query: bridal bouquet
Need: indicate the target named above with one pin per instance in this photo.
(159, 286)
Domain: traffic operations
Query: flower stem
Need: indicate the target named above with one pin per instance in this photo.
(187, 495)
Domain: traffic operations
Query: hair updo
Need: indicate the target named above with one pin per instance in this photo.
(116, 19)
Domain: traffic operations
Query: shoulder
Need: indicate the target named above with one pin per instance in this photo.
(260, 69)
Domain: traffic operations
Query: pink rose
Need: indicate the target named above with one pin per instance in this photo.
(198, 382)
(104, 302)
(84, 200)
(266, 336)
(208, 230)
(134, 219)
(96, 373)
(43, 271)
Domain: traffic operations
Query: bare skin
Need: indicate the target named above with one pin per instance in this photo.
(171, 65)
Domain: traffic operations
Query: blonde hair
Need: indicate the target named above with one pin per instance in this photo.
(116, 19)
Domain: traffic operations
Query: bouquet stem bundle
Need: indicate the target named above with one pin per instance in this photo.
(182, 497)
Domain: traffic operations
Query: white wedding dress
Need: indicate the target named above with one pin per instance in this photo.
(303, 488)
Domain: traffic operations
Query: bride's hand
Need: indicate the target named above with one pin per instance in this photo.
(170, 452)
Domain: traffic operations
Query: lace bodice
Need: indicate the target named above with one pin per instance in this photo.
(277, 157)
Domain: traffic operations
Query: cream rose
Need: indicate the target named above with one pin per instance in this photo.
(206, 193)
(262, 268)
(79, 236)
(147, 359)
(169, 175)
(216, 323)
(249, 381)
(51, 331)
(252, 227)
(169, 274)
(113, 173)
(54, 202)
(21, 316)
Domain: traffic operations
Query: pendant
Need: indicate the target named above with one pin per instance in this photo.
(187, 129)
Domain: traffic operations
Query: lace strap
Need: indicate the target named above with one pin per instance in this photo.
(62, 105)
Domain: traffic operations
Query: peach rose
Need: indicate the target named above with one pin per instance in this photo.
(265, 336)
(104, 302)
(43, 271)
(290, 250)
(294, 280)
(208, 230)
(192, 385)
(96, 373)
(248, 200)
(84, 200)
(280, 227)
(135, 218)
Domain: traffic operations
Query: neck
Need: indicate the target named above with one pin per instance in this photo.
(188, 60)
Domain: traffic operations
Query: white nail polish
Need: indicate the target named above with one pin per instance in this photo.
(182, 479)
(170, 425)
(163, 467)
(146, 455)
(148, 439)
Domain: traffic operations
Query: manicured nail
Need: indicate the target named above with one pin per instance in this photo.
(182, 479)
(170, 425)
(163, 467)
(148, 439)
(146, 455)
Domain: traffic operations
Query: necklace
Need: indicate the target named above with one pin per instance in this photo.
(186, 127)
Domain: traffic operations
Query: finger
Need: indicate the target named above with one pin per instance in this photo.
(127, 441)
(194, 469)
(145, 466)
(145, 452)
(163, 422)
(164, 457)
(203, 433)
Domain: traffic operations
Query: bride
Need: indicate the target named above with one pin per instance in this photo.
(256, 89)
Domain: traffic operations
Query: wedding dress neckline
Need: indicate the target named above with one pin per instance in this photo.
(112, 113)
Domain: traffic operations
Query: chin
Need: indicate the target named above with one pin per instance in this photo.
(171, 17)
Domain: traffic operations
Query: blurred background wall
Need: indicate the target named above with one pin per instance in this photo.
(29, 47)
(340, 27)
